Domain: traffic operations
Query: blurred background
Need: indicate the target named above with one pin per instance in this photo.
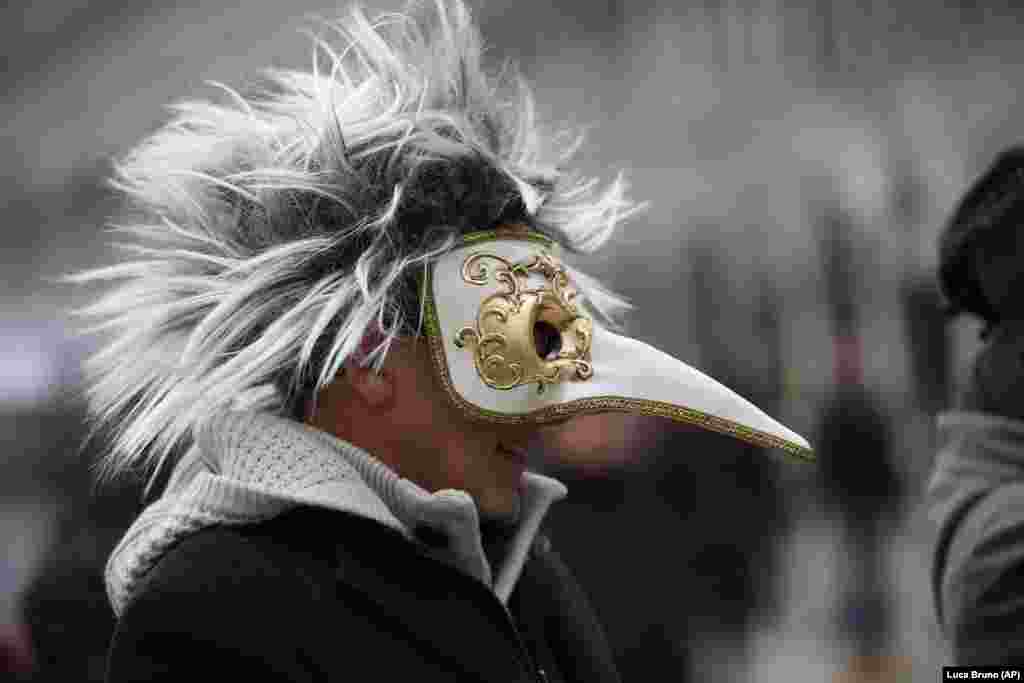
(799, 158)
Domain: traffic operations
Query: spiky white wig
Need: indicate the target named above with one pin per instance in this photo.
(272, 232)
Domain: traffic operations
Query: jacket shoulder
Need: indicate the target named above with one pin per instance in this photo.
(253, 597)
(290, 557)
(982, 597)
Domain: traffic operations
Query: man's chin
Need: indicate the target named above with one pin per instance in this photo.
(501, 509)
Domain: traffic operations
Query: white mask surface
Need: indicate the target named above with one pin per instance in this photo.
(511, 344)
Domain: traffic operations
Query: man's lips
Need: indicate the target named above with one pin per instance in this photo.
(513, 453)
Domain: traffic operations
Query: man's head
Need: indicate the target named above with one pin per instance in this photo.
(281, 228)
(980, 247)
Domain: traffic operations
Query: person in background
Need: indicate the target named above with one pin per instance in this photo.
(861, 490)
(977, 487)
(347, 320)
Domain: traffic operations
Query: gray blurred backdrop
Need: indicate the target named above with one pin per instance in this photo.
(799, 158)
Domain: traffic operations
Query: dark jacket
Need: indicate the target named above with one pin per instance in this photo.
(977, 502)
(320, 595)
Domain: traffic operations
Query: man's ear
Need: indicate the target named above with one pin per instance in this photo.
(376, 390)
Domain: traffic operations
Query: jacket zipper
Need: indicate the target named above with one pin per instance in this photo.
(538, 673)
(526, 661)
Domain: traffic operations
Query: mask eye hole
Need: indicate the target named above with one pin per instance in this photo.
(547, 339)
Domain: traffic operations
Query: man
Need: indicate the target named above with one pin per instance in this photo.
(976, 489)
(348, 321)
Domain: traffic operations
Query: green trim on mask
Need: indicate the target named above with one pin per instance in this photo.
(488, 235)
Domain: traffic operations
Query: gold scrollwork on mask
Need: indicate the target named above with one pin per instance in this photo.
(503, 340)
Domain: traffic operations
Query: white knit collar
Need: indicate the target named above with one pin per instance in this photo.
(251, 466)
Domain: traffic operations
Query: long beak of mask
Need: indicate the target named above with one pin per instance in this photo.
(511, 344)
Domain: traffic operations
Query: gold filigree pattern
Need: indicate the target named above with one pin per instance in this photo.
(502, 339)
